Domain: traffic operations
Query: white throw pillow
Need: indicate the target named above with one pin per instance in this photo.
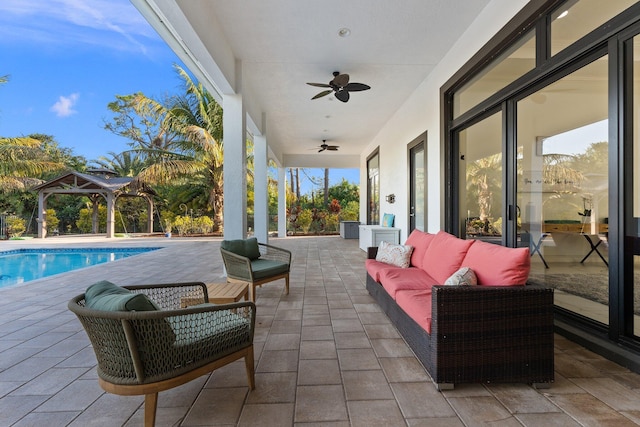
(463, 277)
(398, 255)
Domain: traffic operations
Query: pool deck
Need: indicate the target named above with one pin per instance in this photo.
(325, 355)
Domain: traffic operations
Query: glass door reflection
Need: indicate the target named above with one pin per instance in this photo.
(563, 188)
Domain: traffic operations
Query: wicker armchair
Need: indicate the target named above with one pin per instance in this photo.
(145, 352)
(255, 263)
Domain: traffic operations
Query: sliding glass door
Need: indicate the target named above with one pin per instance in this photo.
(373, 188)
(418, 184)
(549, 158)
(631, 310)
(563, 187)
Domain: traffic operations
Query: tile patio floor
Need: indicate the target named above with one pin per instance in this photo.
(325, 355)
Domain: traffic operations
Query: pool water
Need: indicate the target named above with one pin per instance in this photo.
(24, 265)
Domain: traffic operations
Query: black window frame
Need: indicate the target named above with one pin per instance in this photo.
(536, 14)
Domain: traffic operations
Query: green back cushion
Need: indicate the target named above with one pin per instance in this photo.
(244, 247)
(107, 296)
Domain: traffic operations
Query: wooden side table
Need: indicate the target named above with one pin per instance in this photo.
(224, 293)
(220, 293)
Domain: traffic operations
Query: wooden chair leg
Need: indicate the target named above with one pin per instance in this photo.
(286, 284)
(250, 367)
(150, 405)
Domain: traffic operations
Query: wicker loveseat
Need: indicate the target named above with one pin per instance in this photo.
(468, 334)
(146, 343)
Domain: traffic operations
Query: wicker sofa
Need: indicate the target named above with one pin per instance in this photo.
(498, 331)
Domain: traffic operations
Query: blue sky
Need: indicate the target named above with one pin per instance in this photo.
(67, 59)
(576, 141)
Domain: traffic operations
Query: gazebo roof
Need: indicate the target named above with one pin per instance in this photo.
(77, 182)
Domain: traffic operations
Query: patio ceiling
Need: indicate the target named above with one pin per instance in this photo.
(268, 50)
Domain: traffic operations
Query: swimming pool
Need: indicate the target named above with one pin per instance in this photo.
(23, 265)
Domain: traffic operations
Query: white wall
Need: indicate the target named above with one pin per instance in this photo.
(421, 113)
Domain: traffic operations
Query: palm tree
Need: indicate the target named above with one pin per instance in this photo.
(561, 168)
(196, 155)
(140, 123)
(484, 176)
(22, 161)
(127, 163)
(326, 187)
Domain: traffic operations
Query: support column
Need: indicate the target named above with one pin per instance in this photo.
(42, 215)
(235, 167)
(95, 218)
(149, 215)
(111, 205)
(260, 189)
(282, 202)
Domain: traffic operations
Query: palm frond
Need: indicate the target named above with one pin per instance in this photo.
(12, 183)
(558, 168)
(167, 171)
(23, 141)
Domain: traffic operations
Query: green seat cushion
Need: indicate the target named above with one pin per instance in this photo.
(219, 323)
(263, 268)
(107, 296)
(243, 247)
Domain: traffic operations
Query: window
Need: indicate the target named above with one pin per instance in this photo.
(576, 18)
(373, 188)
(512, 64)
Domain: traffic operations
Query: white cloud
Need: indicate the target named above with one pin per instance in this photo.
(64, 106)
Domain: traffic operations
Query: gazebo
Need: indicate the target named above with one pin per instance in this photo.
(96, 184)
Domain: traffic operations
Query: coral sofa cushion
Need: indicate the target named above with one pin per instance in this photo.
(417, 304)
(420, 242)
(374, 268)
(444, 255)
(395, 279)
(497, 265)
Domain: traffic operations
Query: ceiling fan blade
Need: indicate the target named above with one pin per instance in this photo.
(332, 148)
(356, 87)
(319, 84)
(341, 80)
(342, 95)
(322, 149)
(321, 94)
